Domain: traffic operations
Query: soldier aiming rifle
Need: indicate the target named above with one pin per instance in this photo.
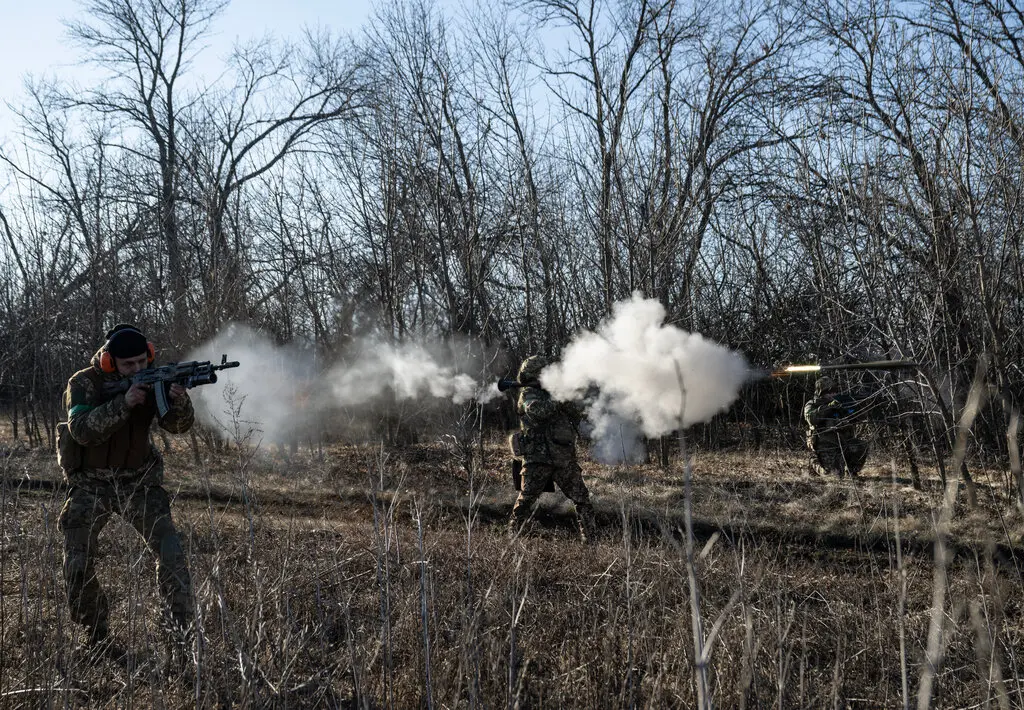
(832, 431)
(111, 466)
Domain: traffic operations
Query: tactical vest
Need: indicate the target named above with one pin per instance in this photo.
(553, 443)
(129, 446)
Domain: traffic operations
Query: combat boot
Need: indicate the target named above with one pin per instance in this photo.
(521, 528)
(100, 646)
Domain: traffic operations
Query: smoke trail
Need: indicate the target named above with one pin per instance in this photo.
(278, 391)
(268, 393)
(408, 371)
(648, 372)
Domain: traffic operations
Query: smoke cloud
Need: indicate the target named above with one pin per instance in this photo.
(640, 377)
(648, 374)
(409, 371)
(615, 439)
(266, 393)
(279, 391)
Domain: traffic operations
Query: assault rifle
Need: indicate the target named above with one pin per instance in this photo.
(843, 406)
(187, 374)
(849, 405)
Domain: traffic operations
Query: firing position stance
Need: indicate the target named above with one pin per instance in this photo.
(546, 445)
(111, 466)
(832, 432)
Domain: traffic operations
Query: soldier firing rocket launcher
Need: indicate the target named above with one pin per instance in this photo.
(846, 405)
(187, 374)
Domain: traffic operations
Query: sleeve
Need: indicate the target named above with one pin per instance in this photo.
(89, 423)
(826, 413)
(180, 417)
(573, 411)
(807, 413)
(815, 413)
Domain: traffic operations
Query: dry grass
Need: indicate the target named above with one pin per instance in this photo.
(371, 578)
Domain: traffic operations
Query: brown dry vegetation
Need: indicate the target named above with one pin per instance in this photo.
(373, 578)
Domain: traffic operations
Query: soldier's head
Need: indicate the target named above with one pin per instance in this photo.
(126, 351)
(529, 371)
(824, 385)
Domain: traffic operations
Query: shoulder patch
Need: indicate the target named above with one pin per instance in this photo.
(79, 409)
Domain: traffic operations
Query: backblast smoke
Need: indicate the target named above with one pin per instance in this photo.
(280, 390)
(645, 372)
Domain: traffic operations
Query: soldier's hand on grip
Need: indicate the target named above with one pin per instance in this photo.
(136, 395)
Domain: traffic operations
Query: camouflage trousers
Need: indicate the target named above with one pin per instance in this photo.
(146, 508)
(836, 454)
(569, 479)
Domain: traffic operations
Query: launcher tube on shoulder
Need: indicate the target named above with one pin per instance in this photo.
(507, 384)
(187, 374)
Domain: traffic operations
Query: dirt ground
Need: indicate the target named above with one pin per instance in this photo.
(362, 576)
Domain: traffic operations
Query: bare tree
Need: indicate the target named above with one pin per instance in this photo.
(279, 107)
(145, 49)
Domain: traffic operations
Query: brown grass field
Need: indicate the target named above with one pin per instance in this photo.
(362, 577)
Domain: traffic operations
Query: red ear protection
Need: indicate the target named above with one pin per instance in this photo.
(108, 365)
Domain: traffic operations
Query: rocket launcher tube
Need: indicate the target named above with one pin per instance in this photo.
(875, 365)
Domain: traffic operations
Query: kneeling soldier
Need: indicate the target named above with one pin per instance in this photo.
(831, 432)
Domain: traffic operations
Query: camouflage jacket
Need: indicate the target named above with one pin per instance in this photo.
(547, 428)
(103, 437)
(830, 413)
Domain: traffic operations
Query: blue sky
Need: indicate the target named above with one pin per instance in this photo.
(33, 39)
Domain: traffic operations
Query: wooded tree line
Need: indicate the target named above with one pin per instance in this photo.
(818, 180)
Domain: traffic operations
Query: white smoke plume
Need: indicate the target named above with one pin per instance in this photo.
(654, 374)
(277, 390)
(267, 393)
(408, 371)
(616, 439)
